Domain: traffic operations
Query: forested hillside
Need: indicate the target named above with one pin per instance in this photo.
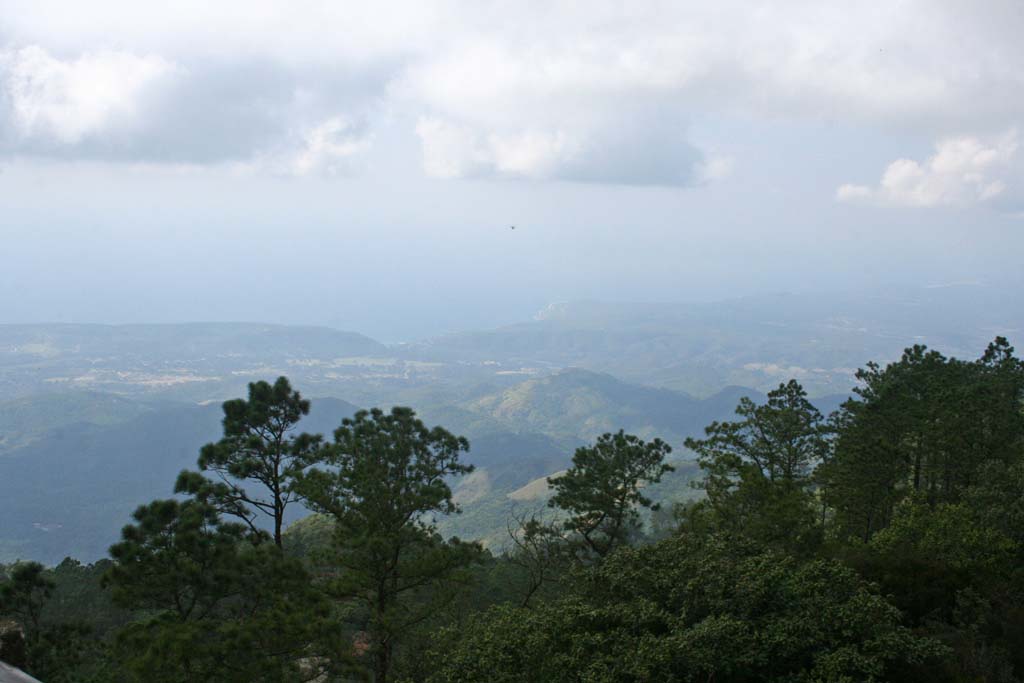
(103, 453)
(879, 541)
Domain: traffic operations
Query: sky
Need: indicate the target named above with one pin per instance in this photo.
(360, 165)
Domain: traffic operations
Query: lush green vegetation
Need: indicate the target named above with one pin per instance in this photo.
(70, 490)
(883, 542)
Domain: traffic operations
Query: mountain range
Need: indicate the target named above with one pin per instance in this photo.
(67, 490)
(96, 419)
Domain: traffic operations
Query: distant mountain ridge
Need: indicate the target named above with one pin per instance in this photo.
(819, 339)
(581, 404)
(97, 419)
(757, 341)
(24, 420)
(186, 339)
(72, 487)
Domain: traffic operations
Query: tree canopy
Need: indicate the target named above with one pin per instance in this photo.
(600, 493)
(881, 543)
(385, 480)
(257, 447)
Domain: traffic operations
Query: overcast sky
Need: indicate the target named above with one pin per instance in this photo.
(359, 164)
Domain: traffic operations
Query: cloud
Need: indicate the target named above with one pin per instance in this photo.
(61, 103)
(654, 153)
(494, 89)
(119, 106)
(327, 148)
(963, 171)
(606, 97)
(850, 193)
(715, 168)
(603, 107)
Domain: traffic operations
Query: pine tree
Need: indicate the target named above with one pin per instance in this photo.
(602, 489)
(385, 482)
(257, 447)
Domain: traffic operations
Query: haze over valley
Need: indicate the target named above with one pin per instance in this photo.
(107, 415)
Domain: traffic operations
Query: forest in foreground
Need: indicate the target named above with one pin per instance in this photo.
(883, 542)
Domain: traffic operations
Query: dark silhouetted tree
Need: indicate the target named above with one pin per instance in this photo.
(258, 446)
(757, 470)
(923, 426)
(215, 605)
(385, 482)
(602, 489)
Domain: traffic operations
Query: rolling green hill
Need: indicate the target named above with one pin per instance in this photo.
(69, 492)
(26, 419)
(578, 404)
(85, 461)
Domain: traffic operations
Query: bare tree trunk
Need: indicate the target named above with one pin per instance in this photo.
(382, 662)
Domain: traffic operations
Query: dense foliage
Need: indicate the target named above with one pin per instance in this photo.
(691, 609)
(882, 543)
(385, 477)
(601, 492)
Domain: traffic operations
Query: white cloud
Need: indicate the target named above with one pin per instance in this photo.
(540, 90)
(651, 153)
(66, 101)
(119, 106)
(328, 148)
(716, 168)
(963, 171)
(557, 93)
(451, 150)
(849, 192)
(332, 147)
